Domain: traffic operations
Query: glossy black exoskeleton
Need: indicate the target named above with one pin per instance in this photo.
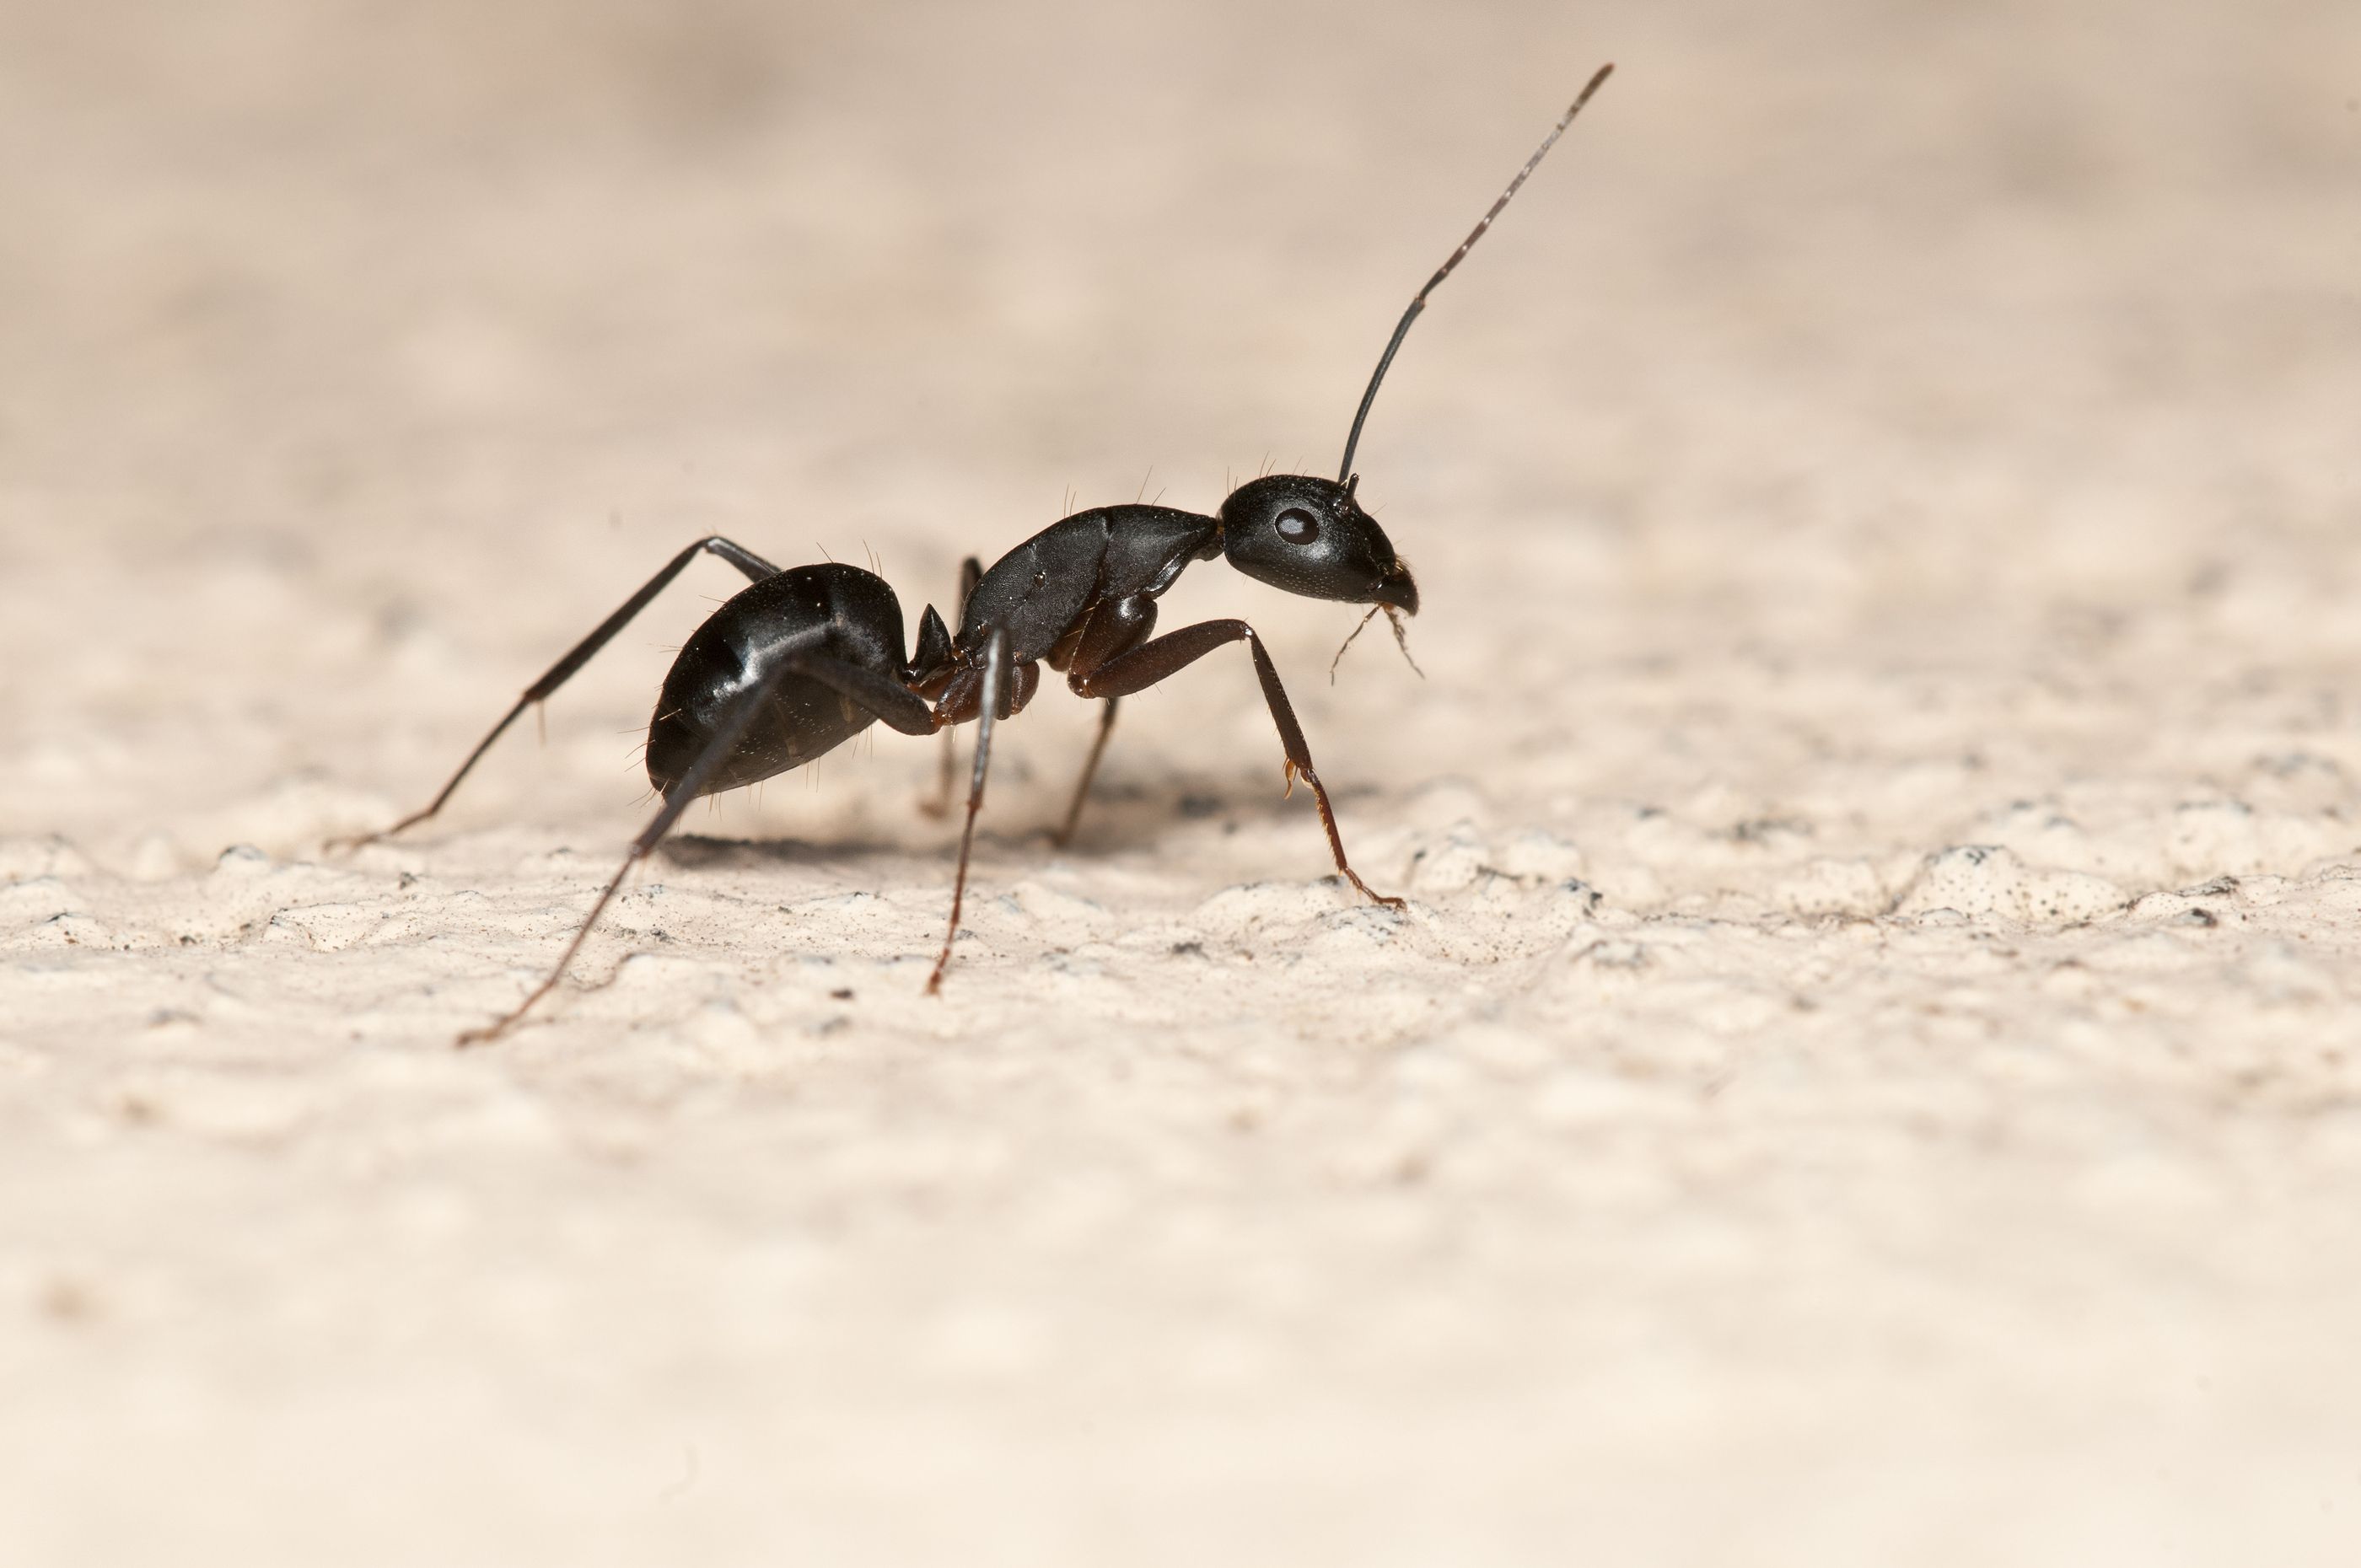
(803, 659)
(1080, 595)
(837, 632)
(792, 666)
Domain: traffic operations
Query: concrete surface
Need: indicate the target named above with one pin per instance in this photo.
(1869, 1072)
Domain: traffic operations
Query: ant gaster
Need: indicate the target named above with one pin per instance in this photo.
(804, 659)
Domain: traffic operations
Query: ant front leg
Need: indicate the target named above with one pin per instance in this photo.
(871, 691)
(1168, 655)
(1114, 626)
(557, 674)
(1065, 835)
(971, 574)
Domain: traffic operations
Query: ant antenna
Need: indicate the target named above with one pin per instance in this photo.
(1401, 640)
(1358, 627)
(1418, 304)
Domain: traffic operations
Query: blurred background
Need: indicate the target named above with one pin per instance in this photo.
(1878, 427)
(414, 335)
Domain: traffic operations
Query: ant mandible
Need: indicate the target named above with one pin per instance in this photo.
(804, 659)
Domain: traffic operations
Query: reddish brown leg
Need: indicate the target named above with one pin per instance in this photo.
(1065, 835)
(1168, 655)
(1115, 627)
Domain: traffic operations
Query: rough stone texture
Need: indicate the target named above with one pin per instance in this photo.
(1868, 1070)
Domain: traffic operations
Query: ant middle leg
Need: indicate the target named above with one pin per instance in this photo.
(989, 701)
(1166, 655)
(557, 674)
(939, 804)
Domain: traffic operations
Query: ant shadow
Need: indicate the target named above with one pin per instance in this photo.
(1121, 816)
(700, 852)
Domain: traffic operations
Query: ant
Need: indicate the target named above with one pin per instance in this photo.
(804, 659)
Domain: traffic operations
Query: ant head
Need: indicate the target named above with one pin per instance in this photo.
(1310, 536)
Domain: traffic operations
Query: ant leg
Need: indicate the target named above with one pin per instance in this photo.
(880, 696)
(1112, 630)
(995, 671)
(1166, 655)
(640, 847)
(557, 674)
(1065, 835)
(884, 695)
(971, 574)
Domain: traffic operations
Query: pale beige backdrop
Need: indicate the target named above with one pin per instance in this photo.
(1869, 1073)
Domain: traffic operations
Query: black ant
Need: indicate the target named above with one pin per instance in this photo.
(805, 659)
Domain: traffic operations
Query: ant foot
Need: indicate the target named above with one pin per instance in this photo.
(1372, 894)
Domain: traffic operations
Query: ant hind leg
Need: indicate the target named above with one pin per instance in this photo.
(557, 674)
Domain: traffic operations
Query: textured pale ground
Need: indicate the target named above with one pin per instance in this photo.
(1870, 1071)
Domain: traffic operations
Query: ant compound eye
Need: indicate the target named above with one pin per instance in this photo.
(1298, 526)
